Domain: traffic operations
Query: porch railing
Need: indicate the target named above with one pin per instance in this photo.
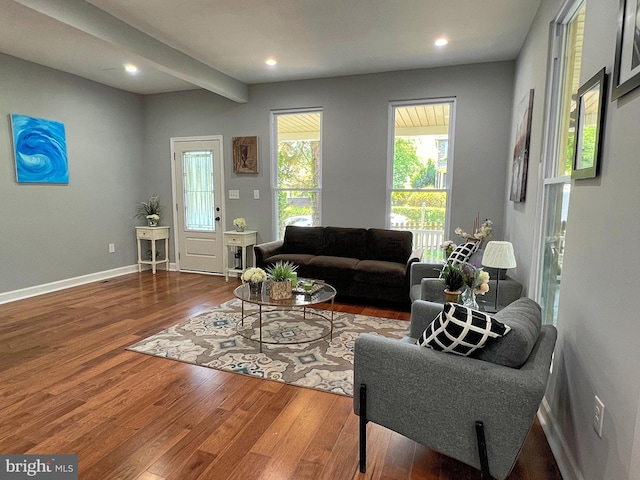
(428, 237)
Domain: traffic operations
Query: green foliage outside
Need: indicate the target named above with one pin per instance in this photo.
(588, 148)
(298, 164)
(405, 162)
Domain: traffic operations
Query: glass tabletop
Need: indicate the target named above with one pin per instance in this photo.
(323, 294)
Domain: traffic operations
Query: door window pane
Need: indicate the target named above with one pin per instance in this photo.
(199, 205)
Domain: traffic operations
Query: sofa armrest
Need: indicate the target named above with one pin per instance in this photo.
(435, 398)
(422, 314)
(266, 250)
(420, 270)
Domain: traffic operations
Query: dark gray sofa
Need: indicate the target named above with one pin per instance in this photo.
(370, 264)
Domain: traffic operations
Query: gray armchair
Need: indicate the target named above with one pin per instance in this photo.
(425, 284)
(474, 409)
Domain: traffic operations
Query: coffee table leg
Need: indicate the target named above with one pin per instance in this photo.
(260, 327)
(331, 331)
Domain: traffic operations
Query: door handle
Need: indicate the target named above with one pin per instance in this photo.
(217, 219)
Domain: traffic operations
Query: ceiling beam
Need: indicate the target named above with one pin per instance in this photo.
(89, 19)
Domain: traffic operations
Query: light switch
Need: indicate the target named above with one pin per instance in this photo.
(234, 194)
(256, 194)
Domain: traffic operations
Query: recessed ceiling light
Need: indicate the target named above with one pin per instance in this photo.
(131, 68)
(271, 61)
(441, 42)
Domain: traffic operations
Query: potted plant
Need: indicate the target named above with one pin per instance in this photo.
(280, 275)
(453, 280)
(150, 211)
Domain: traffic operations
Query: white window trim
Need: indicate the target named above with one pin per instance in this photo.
(450, 157)
(274, 162)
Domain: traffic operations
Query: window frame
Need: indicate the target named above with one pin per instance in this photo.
(274, 165)
(393, 105)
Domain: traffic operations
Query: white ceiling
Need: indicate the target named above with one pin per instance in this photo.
(221, 45)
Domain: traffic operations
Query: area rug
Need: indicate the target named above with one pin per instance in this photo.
(211, 340)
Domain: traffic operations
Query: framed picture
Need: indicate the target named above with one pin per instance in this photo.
(521, 149)
(245, 154)
(40, 150)
(589, 126)
(626, 67)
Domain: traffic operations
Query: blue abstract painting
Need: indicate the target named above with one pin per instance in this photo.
(40, 149)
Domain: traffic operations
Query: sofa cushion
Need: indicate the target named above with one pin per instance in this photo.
(524, 317)
(344, 242)
(309, 240)
(388, 245)
(461, 330)
(382, 273)
(295, 258)
(326, 268)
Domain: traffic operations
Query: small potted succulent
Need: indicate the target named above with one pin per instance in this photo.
(453, 279)
(281, 274)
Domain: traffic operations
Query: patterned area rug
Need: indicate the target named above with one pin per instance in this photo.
(211, 339)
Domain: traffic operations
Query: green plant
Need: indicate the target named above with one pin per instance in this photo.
(152, 207)
(281, 271)
(452, 276)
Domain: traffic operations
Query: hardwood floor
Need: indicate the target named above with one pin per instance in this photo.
(67, 385)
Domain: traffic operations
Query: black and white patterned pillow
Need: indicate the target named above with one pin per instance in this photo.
(461, 330)
(463, 252)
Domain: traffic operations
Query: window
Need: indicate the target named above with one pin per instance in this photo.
(565, 81)
(420, 167)
(297, 168)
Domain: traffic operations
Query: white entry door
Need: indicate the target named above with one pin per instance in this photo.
(198, 191)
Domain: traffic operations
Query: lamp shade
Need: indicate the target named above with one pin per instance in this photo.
(499, 255)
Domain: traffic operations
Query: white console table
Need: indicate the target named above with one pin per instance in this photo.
(240, 240)
(152, 234)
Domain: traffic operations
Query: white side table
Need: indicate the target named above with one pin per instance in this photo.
(243, 240)
(152, 234)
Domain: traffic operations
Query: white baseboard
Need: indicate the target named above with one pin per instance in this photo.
(565, 460)
(23, 293)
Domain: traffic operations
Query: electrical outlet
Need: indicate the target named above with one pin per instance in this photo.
(598, 416)
(256, 194)
(234, 194)
(112, 248)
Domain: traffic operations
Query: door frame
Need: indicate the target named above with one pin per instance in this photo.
(173, 141)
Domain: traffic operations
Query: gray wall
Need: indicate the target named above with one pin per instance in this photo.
(597, 351)
(54, 232)
(355, 138)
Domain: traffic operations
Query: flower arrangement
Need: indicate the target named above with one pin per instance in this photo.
(281, 271)
(240, 222)
(254, 275)
(475, 278)
(480, 231)
(152, 209)
(452, 276)
(448, 248)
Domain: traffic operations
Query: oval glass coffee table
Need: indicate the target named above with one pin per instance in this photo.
(253, 320)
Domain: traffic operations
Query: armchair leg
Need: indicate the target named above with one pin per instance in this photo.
(482, 451)
(363, 428)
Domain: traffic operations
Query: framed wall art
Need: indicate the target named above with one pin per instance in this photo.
(245, 154)
(589, 126)
(520, 164)
(40, 150)
(626, 66)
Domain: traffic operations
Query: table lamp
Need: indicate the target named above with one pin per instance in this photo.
(498, 255)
